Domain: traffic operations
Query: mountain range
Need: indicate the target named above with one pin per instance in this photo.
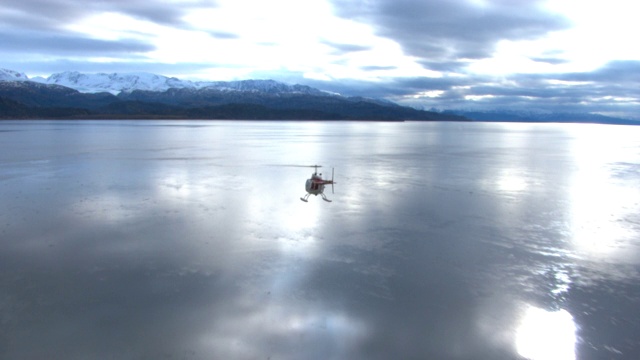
(73, 94)
(143, 95)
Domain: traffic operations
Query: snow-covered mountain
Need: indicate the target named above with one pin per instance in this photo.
(262, 86)
(10, 75)
(116, 83)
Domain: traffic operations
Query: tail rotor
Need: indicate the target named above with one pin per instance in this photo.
(332, 169)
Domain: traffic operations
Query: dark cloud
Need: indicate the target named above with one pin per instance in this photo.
(158, 12)
(446, 31)
(377, 68)
(423, 83)
(618, 72)
(68, 44)
(550, 60)
(223, 35)
(443, 66)
(38, 14)
(542, 92)
(346, 48)
(57, 13)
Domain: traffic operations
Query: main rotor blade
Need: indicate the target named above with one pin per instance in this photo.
(295, 165)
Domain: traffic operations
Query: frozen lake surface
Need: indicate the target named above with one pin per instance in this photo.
(187, 240)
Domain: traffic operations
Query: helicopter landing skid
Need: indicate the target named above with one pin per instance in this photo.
(306, 198)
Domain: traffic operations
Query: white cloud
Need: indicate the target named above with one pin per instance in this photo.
(600, 31)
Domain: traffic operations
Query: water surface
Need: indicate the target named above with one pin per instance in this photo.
(187, 239)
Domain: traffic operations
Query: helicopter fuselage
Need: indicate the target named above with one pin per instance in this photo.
(315, 185)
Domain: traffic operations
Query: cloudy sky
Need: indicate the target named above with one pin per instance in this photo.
(570, 55)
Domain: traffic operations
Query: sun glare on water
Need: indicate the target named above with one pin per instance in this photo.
(548, 335)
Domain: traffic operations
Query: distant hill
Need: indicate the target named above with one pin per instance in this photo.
(143, 95)
(533, 116)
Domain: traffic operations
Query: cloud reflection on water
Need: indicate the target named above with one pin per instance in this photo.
(169, 241)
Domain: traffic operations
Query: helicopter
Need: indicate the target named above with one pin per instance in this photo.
(315, 185)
